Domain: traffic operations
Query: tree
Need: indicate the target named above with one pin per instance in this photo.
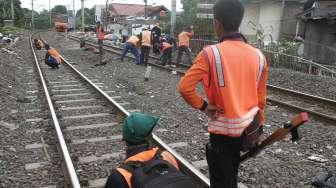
(89, 16)
(59, 9)
(5, 12)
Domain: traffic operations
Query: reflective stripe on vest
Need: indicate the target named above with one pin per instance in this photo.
(231, 123)
(144, 157)
(219, 67)
(261, 64)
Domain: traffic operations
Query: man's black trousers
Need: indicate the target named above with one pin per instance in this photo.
(223, 154)
(144, 54)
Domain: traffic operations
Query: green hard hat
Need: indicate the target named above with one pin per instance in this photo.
(137, 127)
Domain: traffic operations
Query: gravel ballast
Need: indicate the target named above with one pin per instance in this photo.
(284, 164)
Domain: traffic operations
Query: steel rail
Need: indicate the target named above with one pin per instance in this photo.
(65, 152)
(326, 100)
(191, 170)
(289, 106)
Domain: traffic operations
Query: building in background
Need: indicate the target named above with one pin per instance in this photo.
(318, 29)
(125, 19)
(276, 18)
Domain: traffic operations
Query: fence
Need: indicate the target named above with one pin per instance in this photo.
(280, 60)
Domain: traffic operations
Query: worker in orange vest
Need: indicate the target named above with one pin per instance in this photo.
(162, 167)
(167, 50)
(234, 76)
(52, 57)
(183, 44)
(100, 36)
(145, 38)
(132, 44)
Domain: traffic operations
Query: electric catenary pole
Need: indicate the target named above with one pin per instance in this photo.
(173, 18)
(32, 15)
(73, 14)
(83, 15)
(12, 10)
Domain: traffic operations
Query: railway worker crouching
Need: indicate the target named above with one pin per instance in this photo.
(38, 44)
(145, 166)
(145, 38)
(52, 57)
(234, 77)
(132, 44)
(183, 44)
(100, 35)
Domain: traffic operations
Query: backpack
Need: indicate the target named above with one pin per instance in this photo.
(157, 173)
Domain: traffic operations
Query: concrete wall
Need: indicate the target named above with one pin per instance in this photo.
(251, 15)
(269, 17)
(268, 14)
(288, 25)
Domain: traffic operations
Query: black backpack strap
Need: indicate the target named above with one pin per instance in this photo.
(131, 165)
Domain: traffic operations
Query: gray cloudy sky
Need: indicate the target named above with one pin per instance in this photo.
(44, 4)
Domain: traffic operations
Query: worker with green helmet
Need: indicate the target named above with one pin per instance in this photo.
(145, 166)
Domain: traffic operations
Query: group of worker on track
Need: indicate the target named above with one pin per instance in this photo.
(151, 38)
(233, 74)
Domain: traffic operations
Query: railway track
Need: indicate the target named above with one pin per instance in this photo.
(319, 107)
(87, 119)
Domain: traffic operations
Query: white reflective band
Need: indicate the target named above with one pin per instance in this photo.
(261, 65)
(219, 68)
(248, 115)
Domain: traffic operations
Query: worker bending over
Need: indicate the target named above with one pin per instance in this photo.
(145, 166)
(167, 50)
(52, 57)
(183, 44)
(132, 44)
(145, 38)
(234, 76)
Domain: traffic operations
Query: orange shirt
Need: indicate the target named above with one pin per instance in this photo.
(184, 38)
(201, 69)
(133, 40)
(100, 34)
(53, 52)
(146, 38)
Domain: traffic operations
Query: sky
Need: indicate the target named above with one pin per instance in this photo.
(39, 5)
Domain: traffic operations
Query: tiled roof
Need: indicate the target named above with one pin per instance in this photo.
(131, 9)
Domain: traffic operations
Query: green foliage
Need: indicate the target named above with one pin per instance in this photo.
(89, 17)
(10, 30)
(59, 9)
(5, 12)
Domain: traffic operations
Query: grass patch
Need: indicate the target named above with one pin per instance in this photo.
(10, 30)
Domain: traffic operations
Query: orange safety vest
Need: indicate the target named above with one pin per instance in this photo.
(100, 33)
(146, 38)
(53, 53)
(144, 157)
(184, 38)
(232, 85)
(166, 45)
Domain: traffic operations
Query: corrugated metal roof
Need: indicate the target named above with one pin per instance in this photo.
(119, 9)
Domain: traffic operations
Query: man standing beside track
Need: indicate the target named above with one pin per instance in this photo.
(145, 38)
(100, 35)
(234, 77)
(183, 44)
(156, 35)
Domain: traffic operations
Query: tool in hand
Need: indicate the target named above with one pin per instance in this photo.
(279, 134)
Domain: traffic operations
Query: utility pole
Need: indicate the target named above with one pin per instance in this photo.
(74, 15)
(12, 9)
(32, 14)
(82, 15)
(106, 15)
(49, 15)
(145, 9)
(173, 18)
